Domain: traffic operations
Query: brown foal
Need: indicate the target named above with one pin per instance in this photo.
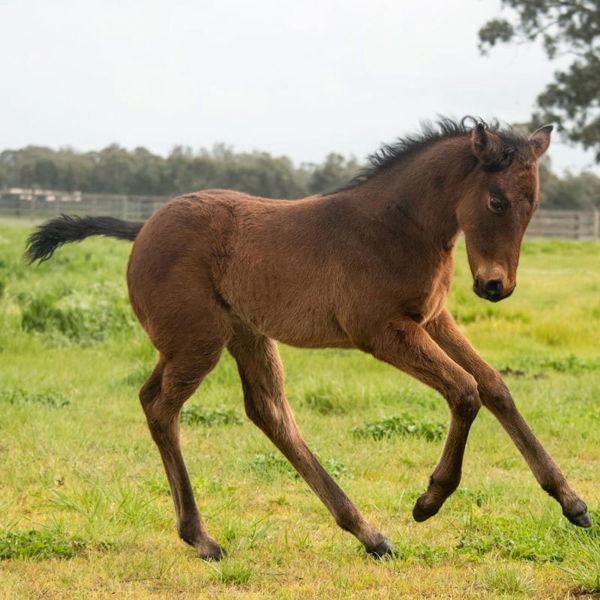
(368, 266)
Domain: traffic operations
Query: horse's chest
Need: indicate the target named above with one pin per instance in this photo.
(429, 297)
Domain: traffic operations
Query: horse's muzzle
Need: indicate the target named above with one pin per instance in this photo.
(492, 290)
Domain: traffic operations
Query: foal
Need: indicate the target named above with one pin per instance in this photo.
(368, 266)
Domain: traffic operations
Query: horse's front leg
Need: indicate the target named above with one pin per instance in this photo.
(409, 347)
(495, 396)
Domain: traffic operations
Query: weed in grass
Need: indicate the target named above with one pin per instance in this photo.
(335, 468)
(585, 546)
(259, 529)
(120, 507)
(424, 553)
(531, 541)
(157, 487)
(508, 579)
(242, 533)
(47, 398)
(231, 572)
(193, 414)
(77, 317)
(569, 363)
(213, 485)
(402, 425)
(142, 566)
(326, 400)
(270, 466)
(419, 400)
(37, 545)
(477, 497)
(138, 376)
(586, 571)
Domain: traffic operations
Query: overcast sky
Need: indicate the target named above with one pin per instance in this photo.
(300, 78)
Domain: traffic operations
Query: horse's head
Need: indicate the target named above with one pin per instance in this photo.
(498, 207)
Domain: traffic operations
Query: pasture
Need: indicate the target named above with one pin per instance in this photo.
(85, 510)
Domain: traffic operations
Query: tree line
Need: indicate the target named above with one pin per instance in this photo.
(116, 170)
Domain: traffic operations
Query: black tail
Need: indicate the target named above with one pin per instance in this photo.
(52, 234)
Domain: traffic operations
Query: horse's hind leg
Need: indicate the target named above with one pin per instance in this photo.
(261, 373)
(171, 383)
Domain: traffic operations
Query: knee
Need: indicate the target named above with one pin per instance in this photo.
(467, 402)
(495, 395)
(258, 412)
(252, 412)
(149, 393)
(160, 414)
(269, 415)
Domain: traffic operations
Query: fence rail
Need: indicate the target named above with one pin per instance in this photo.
(38, 203)
(565, 224)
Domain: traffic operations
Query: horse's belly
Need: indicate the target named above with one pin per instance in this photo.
(325, 337)
(295, 324)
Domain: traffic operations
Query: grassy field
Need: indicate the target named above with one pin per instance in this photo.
(85, 510)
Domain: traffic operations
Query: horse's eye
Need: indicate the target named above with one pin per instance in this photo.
(497, 205)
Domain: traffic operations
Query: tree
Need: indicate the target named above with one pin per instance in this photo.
(564, 27)
(45, 173)
(336, 171)
(115, 170)
(580, 191)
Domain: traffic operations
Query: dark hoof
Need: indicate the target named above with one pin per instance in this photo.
(421, 512)
(581, 520)
(215, 554)
(382, 550)
(206, 547)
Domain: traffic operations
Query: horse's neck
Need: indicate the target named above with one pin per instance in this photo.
(422, 192)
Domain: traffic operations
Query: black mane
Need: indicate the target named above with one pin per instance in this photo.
(406, 147)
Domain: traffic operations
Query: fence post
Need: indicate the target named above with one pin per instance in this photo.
(596, 225)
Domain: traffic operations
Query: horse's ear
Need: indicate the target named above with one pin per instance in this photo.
(487, 146)
(540, 139)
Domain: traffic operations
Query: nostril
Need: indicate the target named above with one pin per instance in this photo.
(494, 287)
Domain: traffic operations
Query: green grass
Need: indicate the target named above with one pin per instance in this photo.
(85, 510)
(194, 414)
(400, 426)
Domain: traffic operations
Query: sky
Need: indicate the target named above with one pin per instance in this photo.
(299, 78)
